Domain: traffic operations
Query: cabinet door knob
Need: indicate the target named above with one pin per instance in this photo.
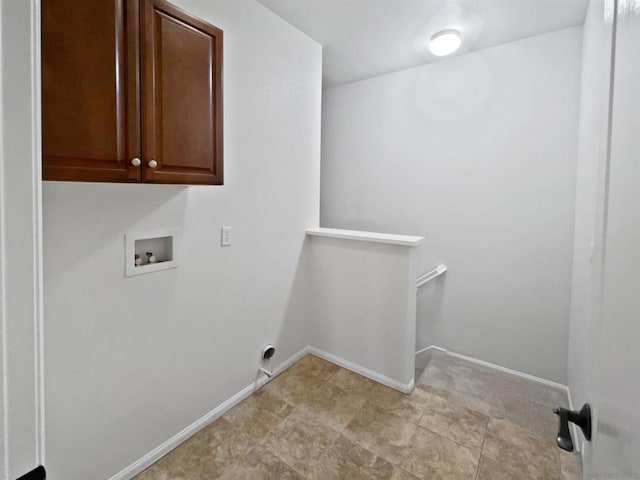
(135, 162)
(153, 164)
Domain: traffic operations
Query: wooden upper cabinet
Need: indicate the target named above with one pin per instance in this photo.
(90, 90)
(182, 98)
(131, 92)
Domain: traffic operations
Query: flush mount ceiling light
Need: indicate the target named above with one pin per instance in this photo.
(445, 42)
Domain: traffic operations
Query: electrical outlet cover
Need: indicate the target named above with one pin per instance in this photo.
(226, 236)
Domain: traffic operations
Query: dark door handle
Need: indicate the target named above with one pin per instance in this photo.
(564, 435)
(582, 418)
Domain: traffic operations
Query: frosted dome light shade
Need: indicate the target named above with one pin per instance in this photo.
(445, 42)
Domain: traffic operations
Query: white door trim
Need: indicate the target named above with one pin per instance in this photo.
(20, 111)
(36, 111)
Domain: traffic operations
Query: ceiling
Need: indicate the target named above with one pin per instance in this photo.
(365, 38)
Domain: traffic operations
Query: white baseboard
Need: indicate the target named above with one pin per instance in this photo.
(179, 438)
(576, 434)
(431, 347)
(493, 366)
(161, 450)
(365, 372)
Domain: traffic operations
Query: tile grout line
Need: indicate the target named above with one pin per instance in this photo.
(301, 409)
(341, 386)
(305, 411)
(451, 440)
(264, 440)
(484, 438)
(491, 370)
(515, 396)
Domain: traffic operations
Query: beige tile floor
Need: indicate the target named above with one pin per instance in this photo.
(319, 421)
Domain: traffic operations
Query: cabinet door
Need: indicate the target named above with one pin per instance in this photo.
(182, 97)
(90, 90)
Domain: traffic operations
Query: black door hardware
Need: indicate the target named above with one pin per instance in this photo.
(581, 418)
(37, 473)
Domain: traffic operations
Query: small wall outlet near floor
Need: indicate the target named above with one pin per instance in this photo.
(226, 236)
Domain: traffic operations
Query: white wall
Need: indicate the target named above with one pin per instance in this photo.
(132, 361)
(364, 306)
(478, 154)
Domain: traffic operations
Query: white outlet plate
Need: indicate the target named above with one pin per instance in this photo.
(226, 236)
